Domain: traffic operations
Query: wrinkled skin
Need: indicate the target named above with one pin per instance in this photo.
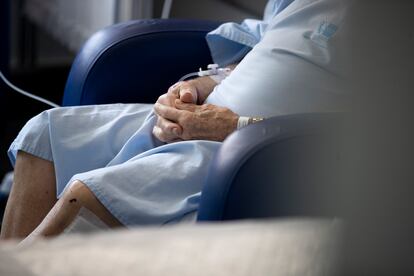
(198, 122)
(182, 117)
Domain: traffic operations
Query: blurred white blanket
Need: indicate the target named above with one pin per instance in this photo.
(282, 247)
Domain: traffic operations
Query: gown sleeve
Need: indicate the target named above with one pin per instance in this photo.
(230, 42)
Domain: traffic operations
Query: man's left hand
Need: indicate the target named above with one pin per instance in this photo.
(198, 122)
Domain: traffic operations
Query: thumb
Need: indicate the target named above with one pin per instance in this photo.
(188, 93)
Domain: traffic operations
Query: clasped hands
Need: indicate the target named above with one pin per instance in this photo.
(180, 118)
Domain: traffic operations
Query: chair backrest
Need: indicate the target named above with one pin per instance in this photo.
(283, 166)
(137, 61)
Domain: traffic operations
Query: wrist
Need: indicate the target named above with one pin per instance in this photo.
(222, 74)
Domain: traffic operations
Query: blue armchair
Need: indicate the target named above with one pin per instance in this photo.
(278, 167)
(137, 61)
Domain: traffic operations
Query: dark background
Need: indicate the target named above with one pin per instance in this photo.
(47, 82)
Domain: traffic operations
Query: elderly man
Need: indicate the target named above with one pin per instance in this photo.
(137, 164)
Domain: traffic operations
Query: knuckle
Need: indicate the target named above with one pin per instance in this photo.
(77, 184)
(77, 188)
(161, 98)
(186, 86)
(164, 126)
(162, 134)
(162, 138)
(156, 133)
(159, 122)
(174, 88)
(168, 128)
(171, 88)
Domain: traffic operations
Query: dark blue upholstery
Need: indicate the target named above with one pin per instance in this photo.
(282, 166)
(137, 61)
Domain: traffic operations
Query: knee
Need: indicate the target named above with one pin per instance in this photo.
(78, 193)
(77, 186)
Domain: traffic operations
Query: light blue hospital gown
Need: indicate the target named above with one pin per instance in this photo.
(291, 64)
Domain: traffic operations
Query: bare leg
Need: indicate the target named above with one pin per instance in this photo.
(65, 210)
(32, 196)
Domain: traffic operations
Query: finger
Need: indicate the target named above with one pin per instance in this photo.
(172, 94)
(170, 129)
(158, 133)
(175, 88)
(165, 100)
(167, 112)
(188, 93)
(163, 136)
(169, 97)
(185, 106)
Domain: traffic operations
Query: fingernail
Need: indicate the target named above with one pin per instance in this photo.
(175, 131)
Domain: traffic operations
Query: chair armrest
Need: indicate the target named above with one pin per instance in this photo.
(136, 61)
(278, 167)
